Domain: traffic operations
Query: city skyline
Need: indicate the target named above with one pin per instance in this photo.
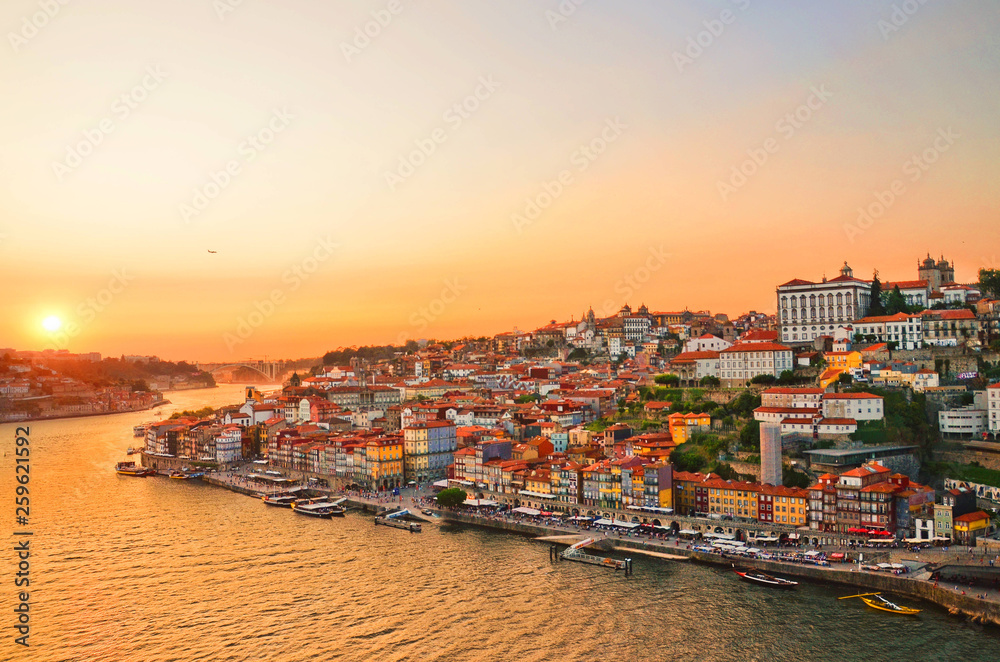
(496, 168)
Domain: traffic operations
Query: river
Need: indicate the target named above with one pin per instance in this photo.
(156, 569)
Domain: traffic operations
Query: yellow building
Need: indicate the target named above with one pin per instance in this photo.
(843, 360)
(539, 482)
(970, 526)
(682, 426)
(734, 498)
(385, 462)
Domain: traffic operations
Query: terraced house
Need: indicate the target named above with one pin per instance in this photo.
(429, 447)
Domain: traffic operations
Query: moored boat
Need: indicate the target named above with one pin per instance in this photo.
(876, 601)
(133, 469)
(279, 500)
(322, 509)
(764, 579)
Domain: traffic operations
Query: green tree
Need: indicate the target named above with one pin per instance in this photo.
(989, 281)
(750, 434)
(792, 478)
(688, 457)
(764, 379)
(875, 305)
(668, 380)
(451, 497)
(577, 354)
(895, 302)
(845, 378)
(710, 381)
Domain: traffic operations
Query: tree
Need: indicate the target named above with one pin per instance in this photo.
(710, 381)
(451, 497)
(875, 306)
(895, 302)
(577, 354)
(845, 378)
(989, 281)
(668, 380)
(792, 478)
(526, 398)
(787, 377)
(750, 434)
(764, 379)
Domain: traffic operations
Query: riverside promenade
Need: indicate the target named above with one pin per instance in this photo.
(977, 603)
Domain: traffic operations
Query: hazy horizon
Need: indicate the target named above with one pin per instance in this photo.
(173, 169)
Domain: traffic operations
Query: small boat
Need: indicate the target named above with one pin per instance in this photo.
(133, 469)
(322, 509)
(876, 601)
(133, 451)
(280, 500)
(183, 475)
(412, 527)
(764, 579)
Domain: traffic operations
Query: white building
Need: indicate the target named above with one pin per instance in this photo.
(859, 406)
(807, 310)
(706, 343)
(963, 421)
(993, 409)
(904, 330)
(742, 362)
(783, 396)
(229, 444)
(916, 292)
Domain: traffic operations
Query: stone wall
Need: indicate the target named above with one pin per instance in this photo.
(986, 459)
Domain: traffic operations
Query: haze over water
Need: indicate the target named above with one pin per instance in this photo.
(157, 570)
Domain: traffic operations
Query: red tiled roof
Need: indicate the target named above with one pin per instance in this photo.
(851, 396)
(972, 517)
(756, 347)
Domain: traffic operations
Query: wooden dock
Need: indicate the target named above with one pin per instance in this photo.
(659, 555)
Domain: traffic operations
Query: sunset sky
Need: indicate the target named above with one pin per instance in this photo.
(119, 115)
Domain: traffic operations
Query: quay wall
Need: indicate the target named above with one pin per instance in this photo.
(955, 603)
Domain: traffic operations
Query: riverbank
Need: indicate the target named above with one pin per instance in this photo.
(977, 610)
(59, 417)
(918, 585)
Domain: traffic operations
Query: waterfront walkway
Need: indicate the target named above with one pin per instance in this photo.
(664, 545)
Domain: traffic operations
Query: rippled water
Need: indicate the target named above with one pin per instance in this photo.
(155, 569)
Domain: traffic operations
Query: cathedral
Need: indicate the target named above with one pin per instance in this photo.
(935, 273)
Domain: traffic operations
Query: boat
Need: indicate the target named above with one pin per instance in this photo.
(133, 451)
(322, 509)
(324, 503)
(133, 469)
(412, 527)
(182, 475)
(279, 500)
(764, 579)
(876, 601)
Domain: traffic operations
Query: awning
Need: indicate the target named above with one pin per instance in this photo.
(480, 503)
(836, 556)
(687, 532)
(441, 483)
(526, 511)
(617, 522)
(580, 518)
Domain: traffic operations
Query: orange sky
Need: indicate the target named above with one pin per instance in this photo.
(123, 111)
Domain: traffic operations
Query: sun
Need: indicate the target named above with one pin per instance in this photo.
(51, 323)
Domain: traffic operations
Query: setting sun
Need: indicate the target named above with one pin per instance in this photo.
(51, 323)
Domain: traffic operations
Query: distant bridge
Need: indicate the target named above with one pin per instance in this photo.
(272, 370)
